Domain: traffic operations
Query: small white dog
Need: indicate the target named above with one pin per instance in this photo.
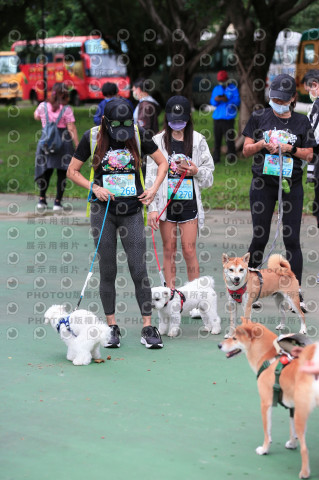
(81, 331)
(172, 304)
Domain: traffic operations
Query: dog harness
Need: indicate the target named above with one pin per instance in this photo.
(284, 360)
(182, 297)
(65, 321)
(237, 295)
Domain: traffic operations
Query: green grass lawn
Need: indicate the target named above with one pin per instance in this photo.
(18, 139)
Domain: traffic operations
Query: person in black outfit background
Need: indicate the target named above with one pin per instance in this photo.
(279, 123)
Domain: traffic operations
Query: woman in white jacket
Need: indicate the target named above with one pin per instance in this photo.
(185, 151)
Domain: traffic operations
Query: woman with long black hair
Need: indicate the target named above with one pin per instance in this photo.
(115, 147)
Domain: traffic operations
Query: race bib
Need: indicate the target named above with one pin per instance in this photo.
(185, 191)
(271, 165)
(120, 184)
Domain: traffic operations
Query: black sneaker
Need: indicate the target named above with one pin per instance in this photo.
(42, 204)
(151, 337)
(114, 341)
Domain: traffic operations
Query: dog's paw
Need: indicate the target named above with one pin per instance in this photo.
(163, 329)
(304, 473)
(174, 332)
(291, 444)
(262, 451)
(99, 360)
(303, 330)
(216, 329)
(81, 361)
(280, 326)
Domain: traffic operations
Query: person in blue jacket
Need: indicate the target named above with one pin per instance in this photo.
(225, 97)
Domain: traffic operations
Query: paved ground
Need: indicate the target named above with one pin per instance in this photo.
(182, 412)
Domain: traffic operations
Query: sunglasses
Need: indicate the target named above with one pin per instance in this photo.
(117, 123)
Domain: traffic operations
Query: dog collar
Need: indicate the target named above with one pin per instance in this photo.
(65, 321)
(237, 295)
(182, 297)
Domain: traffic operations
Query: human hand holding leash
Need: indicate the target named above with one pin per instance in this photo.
(102, 193)
(152, 220)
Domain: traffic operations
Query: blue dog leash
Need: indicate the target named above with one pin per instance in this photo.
(89, 275)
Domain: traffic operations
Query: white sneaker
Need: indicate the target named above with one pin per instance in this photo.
(195, 313)
(57, 207)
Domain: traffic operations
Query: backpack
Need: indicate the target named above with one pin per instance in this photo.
(51, 139)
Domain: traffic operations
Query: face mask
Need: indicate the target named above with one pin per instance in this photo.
(177, 125)
(135, 96)
(312, 97)
(279, 108)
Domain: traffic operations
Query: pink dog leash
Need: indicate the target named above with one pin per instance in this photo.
(154, 246)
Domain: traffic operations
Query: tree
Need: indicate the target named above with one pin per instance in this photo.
(257, 24)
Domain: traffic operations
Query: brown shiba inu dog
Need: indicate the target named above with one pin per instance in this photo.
(245, 286)
(299, 390)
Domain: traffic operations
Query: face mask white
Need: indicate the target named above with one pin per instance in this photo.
(279, 108)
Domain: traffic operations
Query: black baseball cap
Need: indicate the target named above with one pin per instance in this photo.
(119, 109)
(178, 108)
(282, 87)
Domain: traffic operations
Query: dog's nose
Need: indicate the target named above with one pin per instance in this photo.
(236, 279)
(220, 345)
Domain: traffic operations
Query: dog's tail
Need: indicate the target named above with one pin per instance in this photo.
(280, 264)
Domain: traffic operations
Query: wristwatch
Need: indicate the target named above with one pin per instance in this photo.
(293, 150)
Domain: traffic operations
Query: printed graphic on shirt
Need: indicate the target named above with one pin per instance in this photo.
(279, 136)
(118, 161)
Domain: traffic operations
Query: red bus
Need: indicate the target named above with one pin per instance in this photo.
(84, 63)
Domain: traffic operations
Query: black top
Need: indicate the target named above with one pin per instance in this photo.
(178, 148)
(298, 125)
(121, 205)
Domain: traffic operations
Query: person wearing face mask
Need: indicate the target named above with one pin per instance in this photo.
(147, 110)
(185, 151)
(311, 85)
(225, 97)
(265, 130)
(116, 147)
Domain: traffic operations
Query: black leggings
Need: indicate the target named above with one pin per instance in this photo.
(262, 204)
(132, 234)
(44, 180)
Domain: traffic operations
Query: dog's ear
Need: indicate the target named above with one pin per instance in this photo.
(246, 258)
(245, 330)
(225, 258)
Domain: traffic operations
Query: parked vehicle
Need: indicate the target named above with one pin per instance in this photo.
(10, 78)
(308, 58)
(84, 63)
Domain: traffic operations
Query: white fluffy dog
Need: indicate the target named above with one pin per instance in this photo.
(171, 305)
(81, 331)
